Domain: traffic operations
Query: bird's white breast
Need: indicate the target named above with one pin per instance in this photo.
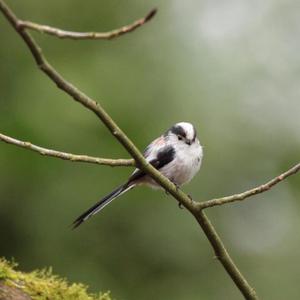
(186, 163)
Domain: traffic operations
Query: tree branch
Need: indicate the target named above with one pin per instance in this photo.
(80, 97)
(67, 156)
(223, 256)
(64, 34)
(260, 189)
(77, 95)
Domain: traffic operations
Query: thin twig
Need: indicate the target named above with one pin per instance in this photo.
(64, 34)
(67, 156)
(260, 189)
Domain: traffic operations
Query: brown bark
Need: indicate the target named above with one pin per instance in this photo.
(12, 293)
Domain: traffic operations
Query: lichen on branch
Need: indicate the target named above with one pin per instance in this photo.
(40, 284)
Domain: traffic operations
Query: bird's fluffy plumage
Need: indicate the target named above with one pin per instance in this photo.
(177, 154)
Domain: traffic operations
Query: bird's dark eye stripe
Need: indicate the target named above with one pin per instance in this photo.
(178, 130)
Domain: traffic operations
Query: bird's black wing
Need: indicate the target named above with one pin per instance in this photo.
(164, 157)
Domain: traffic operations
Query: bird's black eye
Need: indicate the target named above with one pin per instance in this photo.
(179, 137)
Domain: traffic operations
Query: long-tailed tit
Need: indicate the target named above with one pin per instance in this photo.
(177, 154)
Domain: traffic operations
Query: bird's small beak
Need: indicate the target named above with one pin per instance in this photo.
(188, 142)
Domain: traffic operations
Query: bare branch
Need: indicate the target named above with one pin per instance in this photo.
(64, 34)
(80, 97)
(67, 156)
(260, 189)
(223, 256)
(77, 95)
(71, 90)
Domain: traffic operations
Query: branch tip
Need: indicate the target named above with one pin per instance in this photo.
(151, 14)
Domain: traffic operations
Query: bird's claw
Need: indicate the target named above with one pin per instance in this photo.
(177, 189)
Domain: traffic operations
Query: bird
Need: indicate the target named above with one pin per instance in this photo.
(177, 154)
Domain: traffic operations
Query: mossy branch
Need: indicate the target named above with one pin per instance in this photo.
(40, 284)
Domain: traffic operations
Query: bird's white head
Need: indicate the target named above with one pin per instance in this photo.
(182, 132)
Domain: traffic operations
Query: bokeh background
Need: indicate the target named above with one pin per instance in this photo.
(232, 68)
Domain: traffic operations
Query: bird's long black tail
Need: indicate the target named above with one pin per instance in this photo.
(102, 203)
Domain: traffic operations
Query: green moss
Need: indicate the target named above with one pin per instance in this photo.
(43, 285)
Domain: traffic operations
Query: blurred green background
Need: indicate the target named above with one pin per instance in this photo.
(232, 68)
